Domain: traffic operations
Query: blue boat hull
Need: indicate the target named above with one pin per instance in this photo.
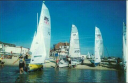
(94, 64)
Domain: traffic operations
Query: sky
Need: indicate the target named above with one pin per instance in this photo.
(18, 22)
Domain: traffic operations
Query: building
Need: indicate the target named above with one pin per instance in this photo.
(61, 48)
(12, 49)
(7, 44)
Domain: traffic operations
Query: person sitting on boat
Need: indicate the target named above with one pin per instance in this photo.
(21, 63)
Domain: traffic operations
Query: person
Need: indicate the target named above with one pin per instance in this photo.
(21, 63)
(67, 57)
(82, 60)
(69, 60)
(57, 61)
(2, 64)
(26, 57)
(118, 60)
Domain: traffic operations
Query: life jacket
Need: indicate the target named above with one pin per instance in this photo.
(21, 61)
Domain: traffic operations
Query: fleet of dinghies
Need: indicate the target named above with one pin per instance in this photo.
(40, 46)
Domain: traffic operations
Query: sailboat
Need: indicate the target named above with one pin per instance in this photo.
(98, 44)
(124, 46)
(41, 41)
(88, 56)
(74, 50)
(33, 43)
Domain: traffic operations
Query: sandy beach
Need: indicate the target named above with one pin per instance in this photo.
(86, 65)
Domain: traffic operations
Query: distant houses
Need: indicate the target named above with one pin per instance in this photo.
(8, 48)
(61, 48)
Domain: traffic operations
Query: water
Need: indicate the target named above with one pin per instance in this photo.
(11, 74)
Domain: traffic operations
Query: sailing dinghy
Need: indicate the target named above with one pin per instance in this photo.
(74, 50)
(88, 56)
(98, 49)
(41, 41)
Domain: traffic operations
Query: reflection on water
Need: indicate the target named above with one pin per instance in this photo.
(11, 74)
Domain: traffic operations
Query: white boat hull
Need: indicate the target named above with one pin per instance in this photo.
(63, 63)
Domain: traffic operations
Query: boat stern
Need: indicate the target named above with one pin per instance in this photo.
(34, 67)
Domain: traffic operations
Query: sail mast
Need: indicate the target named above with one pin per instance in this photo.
(37, 20)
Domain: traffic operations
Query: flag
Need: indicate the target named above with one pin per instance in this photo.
(46, 20)
(74, 34)
(99, 36)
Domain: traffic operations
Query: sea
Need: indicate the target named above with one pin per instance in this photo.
(11, 74)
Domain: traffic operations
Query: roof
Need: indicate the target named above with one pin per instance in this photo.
(61, 44)
(11, 45)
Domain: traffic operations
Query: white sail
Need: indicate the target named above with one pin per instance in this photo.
(98, 43)
(33, 43)
(101, 50)
(45, 27)
(88, 55)
(42, 39)
(74, 50)
(124, 45)
(39, 54)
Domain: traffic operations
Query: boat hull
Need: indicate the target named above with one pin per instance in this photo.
(34, 67)
(63, 63)
(94, 63)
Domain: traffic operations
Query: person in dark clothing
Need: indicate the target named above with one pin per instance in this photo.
(69, 60)
(118, 61)
(2, 64)
(21, 63)
(82, 62)
(26, 57)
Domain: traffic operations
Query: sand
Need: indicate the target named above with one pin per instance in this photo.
(86, 65)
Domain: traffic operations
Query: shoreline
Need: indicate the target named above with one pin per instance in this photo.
(87, 65)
